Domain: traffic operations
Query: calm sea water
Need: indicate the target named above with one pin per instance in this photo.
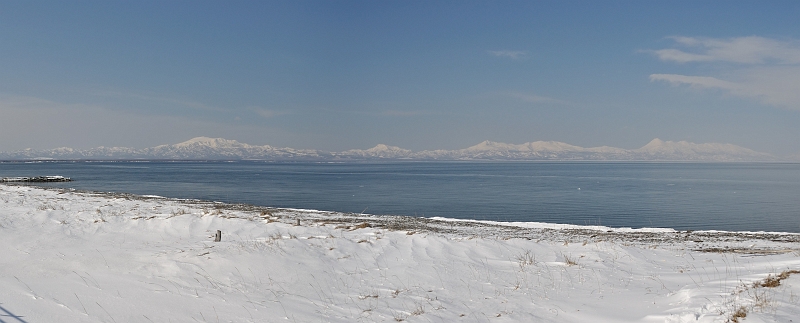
(693, 196)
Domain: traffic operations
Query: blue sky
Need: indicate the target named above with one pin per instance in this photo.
(337, 75)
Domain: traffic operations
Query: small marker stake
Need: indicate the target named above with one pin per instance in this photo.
(218, 237)
(298, 222)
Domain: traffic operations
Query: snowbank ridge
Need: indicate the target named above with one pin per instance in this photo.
(85, 257)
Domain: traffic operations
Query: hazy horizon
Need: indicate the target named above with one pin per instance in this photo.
(335, 76)
(204, 138)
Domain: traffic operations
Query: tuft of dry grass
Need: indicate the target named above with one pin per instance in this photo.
(760, 296)
(525, 259)
(49, 206)
(775, 280)
(570, 261)
(360, 226)
(740, 313)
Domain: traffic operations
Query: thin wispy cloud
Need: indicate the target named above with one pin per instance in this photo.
(512, 54)
(405, 113)
(267, 113)
(767, 70)
(533, 98)
(696, 81)
(772, 86)
(743, 50)
(167, 101)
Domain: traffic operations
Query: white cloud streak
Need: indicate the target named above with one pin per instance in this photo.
(404, 113)
(743, 50)
(267, 113)
(532, 98)
(165, 101)
(776, 86)
(695, 81)
(768, 69)
(512, 54)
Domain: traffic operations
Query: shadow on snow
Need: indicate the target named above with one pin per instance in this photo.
(4, 313)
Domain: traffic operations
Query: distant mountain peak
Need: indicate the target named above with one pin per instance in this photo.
(489, 145)
(384, 148)
(211, 142)
(654, 143)
(379, 151)
(202, 140)
(706, 151)
(540, 146)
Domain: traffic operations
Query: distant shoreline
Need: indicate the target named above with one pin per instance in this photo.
(379, 161)
(205, 148)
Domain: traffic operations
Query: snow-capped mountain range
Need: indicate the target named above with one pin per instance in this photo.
(204, 148)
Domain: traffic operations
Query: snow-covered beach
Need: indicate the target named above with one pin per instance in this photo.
(88, 257)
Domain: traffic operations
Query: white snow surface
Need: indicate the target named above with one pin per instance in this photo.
(85, 257)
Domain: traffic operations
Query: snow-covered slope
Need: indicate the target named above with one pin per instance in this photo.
(77, 257)
(554, 150)
(200, 148)
(379, 151)
(218, 148)
(682, 150)
(204, 148)
(538, 150)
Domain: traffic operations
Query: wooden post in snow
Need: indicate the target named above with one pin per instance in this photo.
(218, 237)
